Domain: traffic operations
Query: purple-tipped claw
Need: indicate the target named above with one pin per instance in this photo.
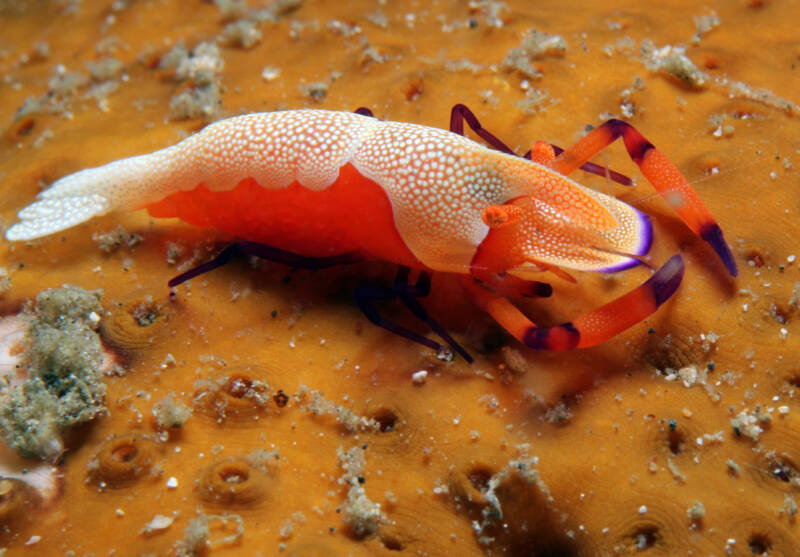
(713, 235)
(560, 337)
(666, 280)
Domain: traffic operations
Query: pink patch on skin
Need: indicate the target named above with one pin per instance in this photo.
(12, 332)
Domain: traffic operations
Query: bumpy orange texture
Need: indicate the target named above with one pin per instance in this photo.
(624, 448)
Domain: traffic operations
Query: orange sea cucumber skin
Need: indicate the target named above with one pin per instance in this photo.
(620, 448)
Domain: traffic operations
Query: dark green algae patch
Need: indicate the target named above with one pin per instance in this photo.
(63, 384)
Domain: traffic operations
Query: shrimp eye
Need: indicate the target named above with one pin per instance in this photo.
(497, 216)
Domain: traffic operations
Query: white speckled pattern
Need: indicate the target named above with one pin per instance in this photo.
(438, 182)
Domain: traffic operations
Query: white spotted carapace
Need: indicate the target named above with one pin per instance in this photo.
(437, 185)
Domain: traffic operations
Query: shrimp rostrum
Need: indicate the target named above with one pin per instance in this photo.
(312, 188)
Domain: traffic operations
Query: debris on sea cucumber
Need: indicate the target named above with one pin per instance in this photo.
(243, 34)
(358, 511)
(747, 424)
(5, 281)
(534, 45)
(704, 24)
(319, 405)
(201, 70)
(63, 358)
(114, 239)
(159, 522)
(170, 413)
(696, 512)
(198, 532)
(672, 61)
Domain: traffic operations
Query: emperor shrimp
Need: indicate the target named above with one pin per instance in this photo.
(313, 188)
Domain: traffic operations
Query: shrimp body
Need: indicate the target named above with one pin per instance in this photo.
(318, 183)
(321, 184)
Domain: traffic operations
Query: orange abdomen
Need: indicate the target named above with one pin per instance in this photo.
(351, 215)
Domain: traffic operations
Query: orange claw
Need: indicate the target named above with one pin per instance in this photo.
(591, 328)
(659, 170)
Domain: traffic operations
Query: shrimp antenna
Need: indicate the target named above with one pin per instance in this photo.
(640, 258)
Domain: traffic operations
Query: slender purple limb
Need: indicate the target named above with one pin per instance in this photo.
(408, 294)
(221, 259)
(295, 260)
(666, 280)
(367, 294)
(661, 285)
(268, 252)
(460, 113)
(713, 235)
(593, 168)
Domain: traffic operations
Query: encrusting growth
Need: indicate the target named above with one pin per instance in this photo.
(63, 357)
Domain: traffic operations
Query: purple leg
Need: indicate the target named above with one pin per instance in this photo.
(221, 259)
(366, 295)
(266, 252)
(408, 294)
(460, 113)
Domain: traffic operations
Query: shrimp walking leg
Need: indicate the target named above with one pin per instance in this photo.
(407, 293)
(460, 114)
(269, 253)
